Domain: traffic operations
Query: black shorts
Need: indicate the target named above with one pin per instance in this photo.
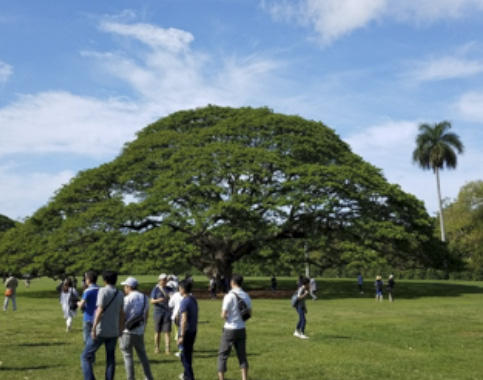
(162, 322)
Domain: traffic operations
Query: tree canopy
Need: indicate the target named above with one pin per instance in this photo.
(464, 224)
(205, 188)
(436, 148)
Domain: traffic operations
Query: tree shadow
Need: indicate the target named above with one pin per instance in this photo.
(28, 368)
(42, 344)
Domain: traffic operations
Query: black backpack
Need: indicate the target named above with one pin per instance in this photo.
(73, 299)
(245, 312)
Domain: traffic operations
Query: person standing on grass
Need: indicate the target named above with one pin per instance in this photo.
(212, 287)
(107, 327)
(174, 304)
(379, 284)
(313, 288)
(68, 301)
(360, 282)
(234, 332)
(88, 303)
(162, 315)
(11, 284)
(273, 283)
(302, 293)
(390, 287)
(188, 316)
(136, 311)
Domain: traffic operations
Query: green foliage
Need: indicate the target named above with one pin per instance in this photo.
(464, 226)
(207, 188)
(6, 223)
(435, 146)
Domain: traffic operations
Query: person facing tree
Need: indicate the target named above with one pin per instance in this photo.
(435, 149)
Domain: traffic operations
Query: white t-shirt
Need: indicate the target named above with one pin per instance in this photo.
(234, 320)
(174, 303)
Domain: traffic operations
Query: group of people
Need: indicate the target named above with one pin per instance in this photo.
(109, 315)
(379, 285)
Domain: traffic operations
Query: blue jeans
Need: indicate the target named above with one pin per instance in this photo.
(88, 356)
(187, 354)
(86, 330)
(302, 321)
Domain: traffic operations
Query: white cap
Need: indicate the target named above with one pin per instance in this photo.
(163, 276)
(130, 281)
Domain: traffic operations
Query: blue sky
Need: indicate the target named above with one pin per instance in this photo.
(78, 79)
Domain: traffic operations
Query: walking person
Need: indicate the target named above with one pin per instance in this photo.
(313, 288)
(107, 327)
(174, 304)
(273, 283)
(88, 303)
(302, 293)
(68, 301)
(11, 284)
(162, 314)
(390, 287)
(234, 331)
(360, 282)
(379, 284)
(188, 315)
(212, 287)
(136, 312)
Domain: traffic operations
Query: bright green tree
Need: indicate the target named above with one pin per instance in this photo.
(206, 188)
(464, 226)
(435, 149)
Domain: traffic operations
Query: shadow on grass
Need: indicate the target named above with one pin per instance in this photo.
(28, 368)
(42, 344)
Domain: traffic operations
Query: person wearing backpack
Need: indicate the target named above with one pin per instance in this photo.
(299, 304)
(68, 302)
(136, 310)
(236, 309)
(107, 327)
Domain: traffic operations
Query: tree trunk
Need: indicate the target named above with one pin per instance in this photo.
(441, 217)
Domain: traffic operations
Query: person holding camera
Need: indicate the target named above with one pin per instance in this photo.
(88, 303)
(136, 310)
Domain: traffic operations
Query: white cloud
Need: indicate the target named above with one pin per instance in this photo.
(23, 194)
(53, 122)
(172, 39)
(6, 71)
(470, 106)
(445, 68)
(332, 19)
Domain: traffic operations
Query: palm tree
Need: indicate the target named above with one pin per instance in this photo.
(435, 148)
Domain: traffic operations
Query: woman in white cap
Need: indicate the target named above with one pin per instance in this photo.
(162, 314)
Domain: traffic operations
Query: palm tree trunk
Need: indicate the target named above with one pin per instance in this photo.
(441, 217)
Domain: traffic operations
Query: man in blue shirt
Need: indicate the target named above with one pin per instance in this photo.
(88, 303)
(188, 312)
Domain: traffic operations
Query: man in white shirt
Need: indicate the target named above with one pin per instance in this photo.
(136, 304)
(234, 333)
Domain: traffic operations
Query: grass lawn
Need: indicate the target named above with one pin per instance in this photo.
(433, 330)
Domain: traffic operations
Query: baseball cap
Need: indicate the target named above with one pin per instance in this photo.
(130, 281)
(163, 276)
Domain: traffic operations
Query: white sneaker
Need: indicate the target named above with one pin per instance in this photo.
(177, 354)
(303, 336)
(181, 376)
(297, 334)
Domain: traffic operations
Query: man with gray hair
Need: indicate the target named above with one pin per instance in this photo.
(136, 309)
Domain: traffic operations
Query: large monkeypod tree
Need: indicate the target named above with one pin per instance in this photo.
(206, 187)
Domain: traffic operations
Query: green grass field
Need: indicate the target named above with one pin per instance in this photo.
(433, 330)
